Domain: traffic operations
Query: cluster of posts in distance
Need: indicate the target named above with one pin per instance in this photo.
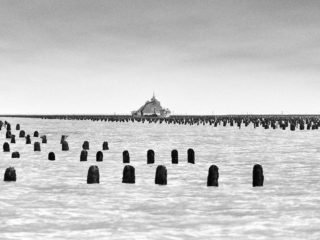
(128, 171)
(293, 122)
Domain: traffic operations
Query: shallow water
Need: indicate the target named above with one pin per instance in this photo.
(51, 200)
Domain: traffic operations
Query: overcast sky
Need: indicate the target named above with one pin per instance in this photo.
(199, 57)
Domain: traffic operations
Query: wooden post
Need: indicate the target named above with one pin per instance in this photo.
(150, 156)
(126, 157)
(161, 175)
(85, 145)
(83, 156)
(99, 156)
(174, 156)
(51, 156)
(213, 176)
(15, 155)
(10, 175)
(257, 176)
(105, 146)
(128, 175)
(191, 157)
(65, 146)
(6, 147)
(37, 147)
(93, 175)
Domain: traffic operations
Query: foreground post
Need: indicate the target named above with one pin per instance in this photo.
(191, 156)
(36, 147)
(44, 139)
(15, 155)
(8, 134)
(83, 156)
(93, 175)
(65, 146)
(85, 145)
(63, 138)
(6, 147)
(257, 176)
(28, 140)
(13, 138)
(51, 156)
(128, 175)
(105, 146)
(213, 176)
(22, 134)
(10, 175)
(174, 156)
(150, 156)
(126, 157)
(161, 175)
(99, 156)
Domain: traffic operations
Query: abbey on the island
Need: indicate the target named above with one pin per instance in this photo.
(152, 108)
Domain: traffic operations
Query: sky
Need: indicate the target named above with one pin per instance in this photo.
(199, 57)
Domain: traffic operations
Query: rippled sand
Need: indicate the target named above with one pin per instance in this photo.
(51, 200)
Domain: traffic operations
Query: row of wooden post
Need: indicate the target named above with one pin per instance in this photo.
(292, 122)
(266, 121)
(160, 177)
(99, 155)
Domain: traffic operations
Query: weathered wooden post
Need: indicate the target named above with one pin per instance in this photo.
(22, 134)
(6, 147)
(150, 156)
(28, 139)
(15, 155)
(99, 156)
(10, 175)
(128, 175)
(191, 157)
(8, 134)
(93, 175)
(257, 176)
(63, 138)
(174, 156)
(44, 139)
(36, 134)
(213, 176)
(36, 147)
(126, 157)
(83, 156)
(85, 145)
(105, 146)
(161, 175)
(65, 146)
(18, 127)
(51, 156)
(13, 138)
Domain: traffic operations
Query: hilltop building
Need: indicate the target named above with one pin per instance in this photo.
(152, 108)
